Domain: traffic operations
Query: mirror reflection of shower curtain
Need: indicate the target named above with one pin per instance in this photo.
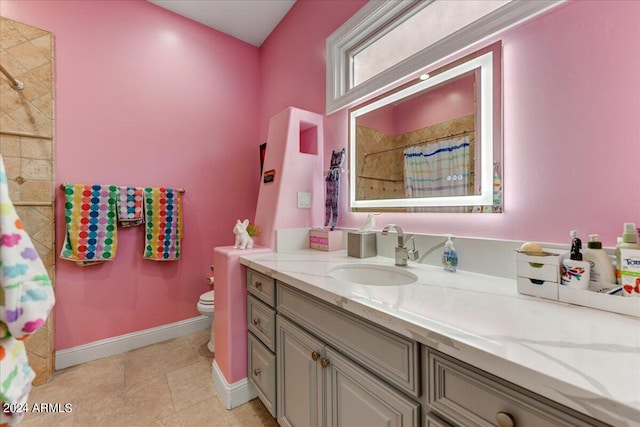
(437, 169)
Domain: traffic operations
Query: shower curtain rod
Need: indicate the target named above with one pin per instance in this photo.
(419, 142)
(16, 84)
(180, 190)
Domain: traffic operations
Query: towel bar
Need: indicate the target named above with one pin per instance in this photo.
(181, 190)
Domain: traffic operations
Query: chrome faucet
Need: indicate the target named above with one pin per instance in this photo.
(403, 254)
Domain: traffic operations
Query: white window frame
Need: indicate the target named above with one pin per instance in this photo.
(379, 17)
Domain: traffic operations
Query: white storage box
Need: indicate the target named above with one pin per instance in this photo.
(539, 275)
(599, 296)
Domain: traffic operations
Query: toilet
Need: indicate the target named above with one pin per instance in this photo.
(205, 307)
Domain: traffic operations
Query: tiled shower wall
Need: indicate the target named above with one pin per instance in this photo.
(381, 171)
(26, 144)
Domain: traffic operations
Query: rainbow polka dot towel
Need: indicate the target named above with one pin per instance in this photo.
(90, 216)
(130, 207)
(163, 224)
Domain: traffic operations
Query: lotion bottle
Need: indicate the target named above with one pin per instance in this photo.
(575, 271)
(449, 256)
(601, 266)
(629, 240)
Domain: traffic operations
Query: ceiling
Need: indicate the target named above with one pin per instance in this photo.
(248, 20)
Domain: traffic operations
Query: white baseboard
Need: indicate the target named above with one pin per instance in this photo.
(232, 395)
(122, 343)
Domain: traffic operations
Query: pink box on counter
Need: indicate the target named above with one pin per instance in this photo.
(325, 240)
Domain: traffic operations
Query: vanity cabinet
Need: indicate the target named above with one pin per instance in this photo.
(470, 397)
(261, 316)
(319, 386)
(315, 364)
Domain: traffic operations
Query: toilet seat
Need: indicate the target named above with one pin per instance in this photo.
(207, 298)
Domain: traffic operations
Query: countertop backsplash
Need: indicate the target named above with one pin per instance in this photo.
(484, 256)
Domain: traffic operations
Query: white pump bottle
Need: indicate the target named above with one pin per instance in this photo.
(601, 265)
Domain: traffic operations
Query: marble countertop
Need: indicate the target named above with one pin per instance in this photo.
(583, 358)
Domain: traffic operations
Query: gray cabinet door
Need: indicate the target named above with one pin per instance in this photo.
(262, 372)
(299, 377)
(356, 397)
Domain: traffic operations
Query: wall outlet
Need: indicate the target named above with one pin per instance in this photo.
(304, 200)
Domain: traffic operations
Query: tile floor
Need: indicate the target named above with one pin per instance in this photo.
(165, 384)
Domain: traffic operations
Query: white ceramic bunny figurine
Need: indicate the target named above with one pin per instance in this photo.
(243, 240)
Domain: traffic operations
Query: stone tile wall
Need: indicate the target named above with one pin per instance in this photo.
(26, 144)
(381, 172)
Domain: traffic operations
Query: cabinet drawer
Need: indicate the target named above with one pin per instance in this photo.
(432, 420)
(263, 287)
(391, 356)
(262, 373)
(471, 397)
(262, 322)
(546, 272)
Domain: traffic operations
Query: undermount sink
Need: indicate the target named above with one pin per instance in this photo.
(372, 274)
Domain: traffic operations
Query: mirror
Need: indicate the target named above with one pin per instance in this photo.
(432, 145)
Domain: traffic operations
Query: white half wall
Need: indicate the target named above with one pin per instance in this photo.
(232, 395)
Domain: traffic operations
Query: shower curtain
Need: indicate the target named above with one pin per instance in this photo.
(437, 169)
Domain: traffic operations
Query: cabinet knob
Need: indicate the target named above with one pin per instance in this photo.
(257, 285)
(505, 419)
(315, 355)
(257, 372)
(324, 362)
(256, 321)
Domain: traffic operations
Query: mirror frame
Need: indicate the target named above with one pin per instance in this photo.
(484, 63)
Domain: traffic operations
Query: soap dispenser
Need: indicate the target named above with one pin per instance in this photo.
(449, 256)
(575, 271)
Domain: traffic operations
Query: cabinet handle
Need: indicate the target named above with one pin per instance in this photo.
(315, 355)
(256, 321)
(257, 372)
(324, 362)
(258, 285)
(505, 419)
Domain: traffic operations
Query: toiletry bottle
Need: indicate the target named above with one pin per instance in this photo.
(449, 256)
(601, 266)
(575, 271)
(629, 240)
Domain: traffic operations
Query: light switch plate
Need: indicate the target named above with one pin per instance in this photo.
(304, 200)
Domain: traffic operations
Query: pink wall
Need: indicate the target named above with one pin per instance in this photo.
(293, 65)
(231, 312)
(439, 104)
(571, 151)
(147, 98)
(381, 119)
